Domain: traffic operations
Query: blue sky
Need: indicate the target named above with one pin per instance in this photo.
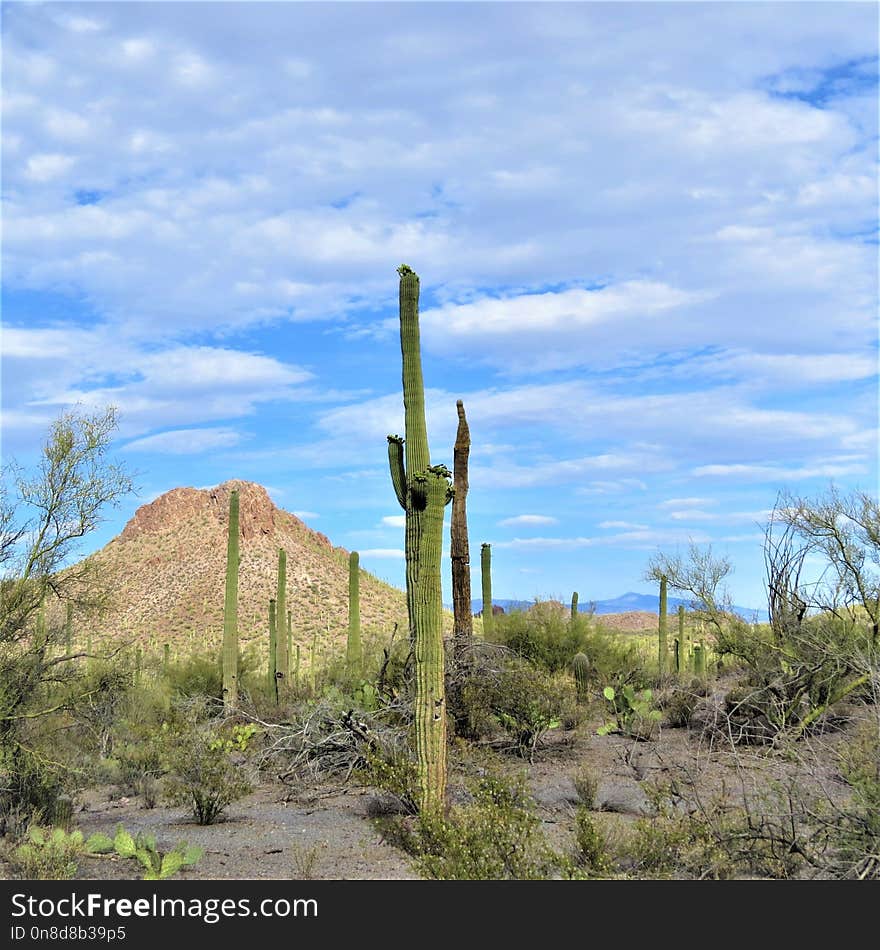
(646, 236)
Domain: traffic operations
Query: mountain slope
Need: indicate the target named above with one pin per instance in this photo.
(169, 567)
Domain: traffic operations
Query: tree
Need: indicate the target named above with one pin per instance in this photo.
(43, 518)
(845, 531)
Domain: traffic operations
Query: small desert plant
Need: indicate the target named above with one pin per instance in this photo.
(634, 713)
(591, 846)
(586, 783)
(142, 848)
(304, 860)
(48, 854)
(394, 770)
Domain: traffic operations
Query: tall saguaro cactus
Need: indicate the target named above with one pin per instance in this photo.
(661, 627)
(682, 642)
(353, 649)
(230, 609)
(574, 605)
(282, 668)
(273, 647)
(486, 571)
(463, 622)
(423, 491)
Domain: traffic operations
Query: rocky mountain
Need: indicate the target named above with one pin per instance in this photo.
(168, 569)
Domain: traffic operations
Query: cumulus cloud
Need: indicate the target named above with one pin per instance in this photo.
(528, 520)
(186, 441)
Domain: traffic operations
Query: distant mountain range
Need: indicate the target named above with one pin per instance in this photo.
(648, 603)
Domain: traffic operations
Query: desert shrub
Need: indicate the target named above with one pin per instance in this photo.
(591, 846)
(586, 783)
(394, 771)
(544, 634)
(48, 854)
(140, 767)
(680, 702)
(717, 839)
(34, 789)
(524, 701)
(497, 837)
(207, 770)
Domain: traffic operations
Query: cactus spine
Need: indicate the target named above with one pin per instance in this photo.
(230, 609)
(282, 660)
(463, 618)
(580, 665)
(353, 648)
(662, 644)
(486, 571)
(574, 605)
(423, 492)
(273, 648)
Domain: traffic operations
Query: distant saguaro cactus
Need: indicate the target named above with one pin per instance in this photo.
(580, 666)
(682, 643)
(230, 609)
(574, 605)
(486, 573)
(353, 656)
(662, 645)
(422, 491)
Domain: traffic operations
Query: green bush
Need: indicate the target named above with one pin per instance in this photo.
(522, 700)
(207, 770)
(497, 837)
(591, 846)
(586, 783)
(33, 789)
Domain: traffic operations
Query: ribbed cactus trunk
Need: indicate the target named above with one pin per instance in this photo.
(282, 660)
(662, 644)
(353, 655)
(580, 665)
(486, 572)
(273, 648)
(682, 643)
(459, 550)
(423, 492)
(574, 605)
(230, 609)
(293, 671)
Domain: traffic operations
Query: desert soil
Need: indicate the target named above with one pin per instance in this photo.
(326, 832)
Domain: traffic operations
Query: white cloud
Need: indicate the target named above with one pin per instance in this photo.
(623, 525)
(186, 441)
(829, 468)
(394, 521)
(47, 167)
(528, 520)
(691, 502)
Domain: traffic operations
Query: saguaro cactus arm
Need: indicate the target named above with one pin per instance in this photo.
(398, 468)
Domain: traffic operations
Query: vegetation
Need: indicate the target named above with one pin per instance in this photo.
(442, 738)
